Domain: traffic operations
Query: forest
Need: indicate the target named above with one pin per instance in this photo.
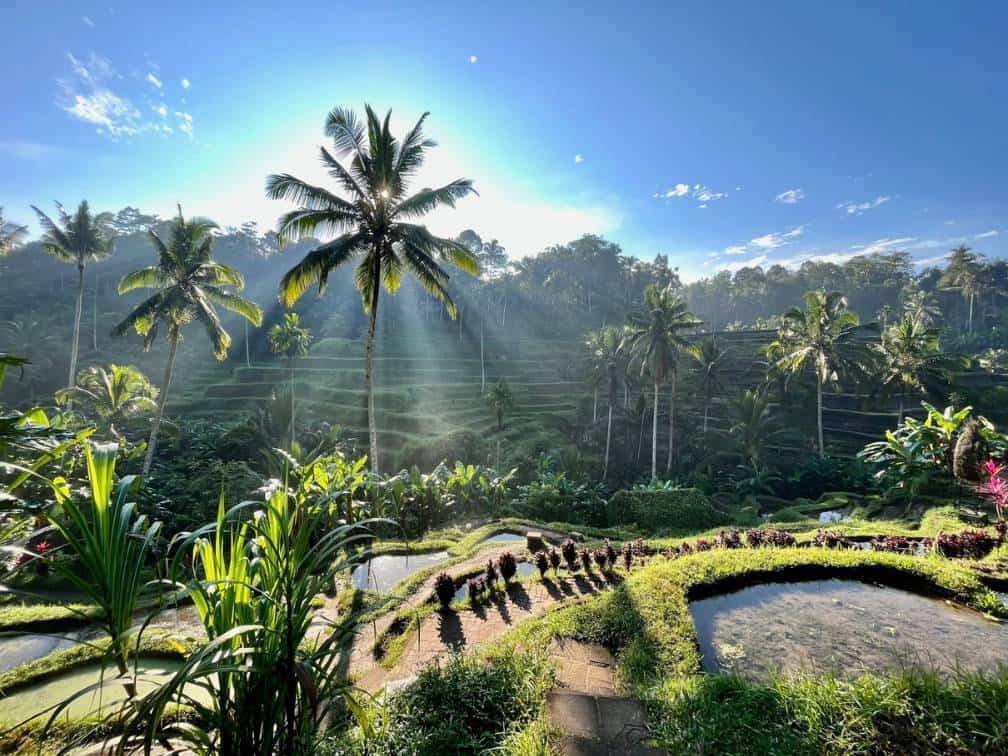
(346, 486)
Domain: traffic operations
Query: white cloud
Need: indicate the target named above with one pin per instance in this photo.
(154, 80)
(776, 238)
(738, 249)
(87, 21)
(699, 192)
(702, 194)
(738, 188)
(579, 158)
(791, 196)
(702, 206)
(679, 190)
(186, 128)
(184, 116)
(88, 96)
(857, 208)
(881, 246)
(752, 262)
(473, 58)
(185, 84)
(161, 110)
(987, 234)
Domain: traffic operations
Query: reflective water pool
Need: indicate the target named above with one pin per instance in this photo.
(20, 649)
(381, 573)
(843, 626)
(503, 538)
(35, 699)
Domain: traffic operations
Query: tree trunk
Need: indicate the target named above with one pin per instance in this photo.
(482, 361)
(368, 375)
(72, 380)
(248, 359)
(156, 427)
(504, 311)
(500, 419)
(94, 318)
(608, 438)
(461, 310)
(291, 361)
(970, 328)
(595, 406)
(640, 437)
(671, 431)
(654, 436)
(706, 408)
(899, 421)
(822, 448)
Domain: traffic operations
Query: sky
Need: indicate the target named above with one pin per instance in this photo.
(722, 135)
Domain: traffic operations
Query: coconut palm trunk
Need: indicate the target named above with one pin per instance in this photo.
(654, 435)
(75, 347)
(369, 371)
(671, 428)
(156, 427)
(292, 426)
(822, 448)
(608, 440)
(706, 411)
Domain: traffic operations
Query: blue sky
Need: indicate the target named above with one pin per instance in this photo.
(722, 135)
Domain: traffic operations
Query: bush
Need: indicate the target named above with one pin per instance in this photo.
(426, 455)
(444, 588)
(508, 566)
(465, 706)
(684, 509)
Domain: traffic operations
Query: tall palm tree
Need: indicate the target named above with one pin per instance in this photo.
(963, 273)
(11, 234)
(822, 336)
(76, 240)
(607, 353)
(372, 220)
(291, 340)
(912, 359)
(655, 338)
(114, 396)
(500, 400)
(754, 425)
(188, 287)
(923, 307)
(710, 359)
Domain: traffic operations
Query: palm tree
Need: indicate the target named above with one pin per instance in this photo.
(114, 396)
(654, 338)
(188, 286)
(822, 336)
(372, 223)
(912, 359)
(922, 307)
(754, 425)
(77, 239)
(500, 400)
(963, 273)
(11, 235)
(606, 354)
(710, 359)
(292, 341)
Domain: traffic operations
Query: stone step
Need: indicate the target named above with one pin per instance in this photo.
(600, 725)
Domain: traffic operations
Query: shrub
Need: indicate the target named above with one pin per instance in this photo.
(730, 539)
(971, 544)
(830, 539)
(490, 575)
(475, 588)
(444, 589)
(542, 563)
(610, 554)
(894, 543)
(569, 550)
(584, 556)
(554, 557)
(508, 566)
(684, 509)
(627, 555)
(756, 537)
(601, 558)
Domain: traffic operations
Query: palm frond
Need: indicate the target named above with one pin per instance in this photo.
(315, 267)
